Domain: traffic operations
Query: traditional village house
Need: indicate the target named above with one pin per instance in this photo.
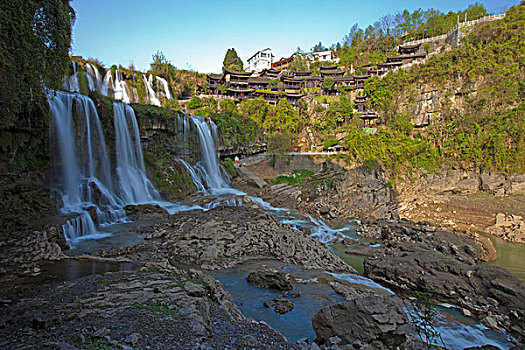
(291, 85)
(270, 73)
(238, 84)
(301, 73)
(258, 83)
(389, 65)
(283, 63)
(260, 60)
(347, 83)
(369, 119)
(408, 49)
(360, 80)
(360, 102)
(214, 81)
(331, 71)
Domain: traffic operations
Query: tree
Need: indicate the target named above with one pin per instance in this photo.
(387, 23)
(255, 109)
(232, 61)
(328, 84)
(35, 37)
(352, 38)
(160, 65)
(318, 47)
(283, 118)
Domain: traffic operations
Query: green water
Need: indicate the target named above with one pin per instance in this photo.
(511, 256)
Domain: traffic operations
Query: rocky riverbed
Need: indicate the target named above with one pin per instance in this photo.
(167, 297)
(156, 307)
(414, 256)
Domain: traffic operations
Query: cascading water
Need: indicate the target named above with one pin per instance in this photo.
(120, 88)
(209, 165)
(95, 80)
(113, 85)
(195, 178)
(165, 85)
(81, 172)
(134, 185)
(71, 83)
(150, 92)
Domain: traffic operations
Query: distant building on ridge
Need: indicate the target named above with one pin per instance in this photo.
(260, 61)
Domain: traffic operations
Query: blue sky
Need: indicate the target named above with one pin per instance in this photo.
(195, 34)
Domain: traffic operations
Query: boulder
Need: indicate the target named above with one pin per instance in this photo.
(146, 212)
(280, 305)
(376, 320)
(270, 279)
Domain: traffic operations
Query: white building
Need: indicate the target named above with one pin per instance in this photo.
(325, 56)
(260, 61)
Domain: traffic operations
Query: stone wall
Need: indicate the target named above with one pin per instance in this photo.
(289, 163)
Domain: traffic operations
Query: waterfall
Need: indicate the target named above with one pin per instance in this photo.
(195, 178)
(134, 185)
(120, 88)
(209, 165)
(151, 94)
(93, 192)
(95, 80)
(71, 83)
(166, 87)
(80, 167)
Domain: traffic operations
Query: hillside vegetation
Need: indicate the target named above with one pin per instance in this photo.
(486, 74)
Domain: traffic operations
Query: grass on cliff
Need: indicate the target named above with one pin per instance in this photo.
(297, 176)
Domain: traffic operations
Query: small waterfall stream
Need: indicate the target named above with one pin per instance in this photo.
(113, 84)
(134, 185)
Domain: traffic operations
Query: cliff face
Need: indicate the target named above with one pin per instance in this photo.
(163, 142)
(24, 162)
(430, 103)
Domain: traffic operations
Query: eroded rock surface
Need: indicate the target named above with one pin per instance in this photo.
(337, 195)
(509, 227)
(224, 236)
(158, 307)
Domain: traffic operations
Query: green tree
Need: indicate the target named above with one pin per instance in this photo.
(328, 84)
(318, 47)
(232, 61)
(255, 109)
(160, 65)
(35, 36)
(283, 118)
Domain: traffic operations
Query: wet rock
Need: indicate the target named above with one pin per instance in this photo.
(372, 320)
(146, 212)
(280, 305)
(209, 241)
(101, 333)
(270, 279)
